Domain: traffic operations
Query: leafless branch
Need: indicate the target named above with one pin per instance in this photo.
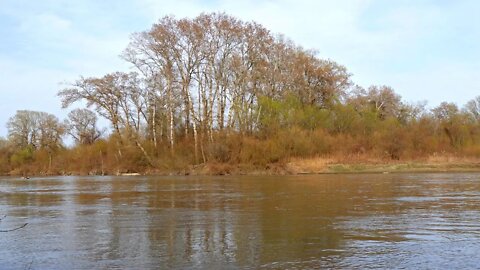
(18, 228)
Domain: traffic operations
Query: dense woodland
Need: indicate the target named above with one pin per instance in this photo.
(218, 91)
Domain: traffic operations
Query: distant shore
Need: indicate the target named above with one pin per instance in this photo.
(316, 166)
(303, 166)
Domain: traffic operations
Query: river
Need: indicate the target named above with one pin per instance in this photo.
(363, 221)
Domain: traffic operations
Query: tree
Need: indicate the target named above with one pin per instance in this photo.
(452, 122)
(472, 108)
(119, 97)
(381, 100)
(82, 126)
(40, 130)
(5, 153)
(411, 112)
(22, 128)
(208, 73)
(32, 131)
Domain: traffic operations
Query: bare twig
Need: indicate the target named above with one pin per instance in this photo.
(29, 266)
(18, 228)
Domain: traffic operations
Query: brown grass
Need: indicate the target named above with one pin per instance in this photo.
(451, 159)
(309, 165)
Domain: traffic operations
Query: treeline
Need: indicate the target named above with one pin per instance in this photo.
(217, 90)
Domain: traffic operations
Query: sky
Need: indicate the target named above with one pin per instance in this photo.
(427, 50)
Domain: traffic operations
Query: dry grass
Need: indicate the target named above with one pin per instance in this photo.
(451, 159)
(309, 165)
(366, 163)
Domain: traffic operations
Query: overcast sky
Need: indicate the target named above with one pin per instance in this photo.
(425, 49)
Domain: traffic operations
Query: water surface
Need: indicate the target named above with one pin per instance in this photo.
(393, 221)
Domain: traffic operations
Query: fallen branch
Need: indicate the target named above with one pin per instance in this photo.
(18, 228)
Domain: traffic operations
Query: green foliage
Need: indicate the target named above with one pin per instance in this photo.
(23, 156)
(345, 119)
(277, 115)
(392, 139)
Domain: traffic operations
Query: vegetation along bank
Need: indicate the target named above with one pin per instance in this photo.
(217, 95)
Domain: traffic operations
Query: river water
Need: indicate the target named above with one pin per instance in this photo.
(384, 221)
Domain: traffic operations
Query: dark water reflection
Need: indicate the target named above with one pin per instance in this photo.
(330, 221)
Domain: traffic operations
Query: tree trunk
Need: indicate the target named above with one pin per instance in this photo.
(171, 132)
(154, 126)
(145, 154)
(195, 138)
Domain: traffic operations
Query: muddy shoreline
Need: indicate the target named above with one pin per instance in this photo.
(302, 167)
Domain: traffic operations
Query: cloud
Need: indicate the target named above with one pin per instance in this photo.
(49, 48)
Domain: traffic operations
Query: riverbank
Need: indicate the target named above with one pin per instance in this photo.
(333, 166)
(365, 165)
(298, 166)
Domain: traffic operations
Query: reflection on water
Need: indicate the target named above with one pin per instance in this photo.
(329, 221)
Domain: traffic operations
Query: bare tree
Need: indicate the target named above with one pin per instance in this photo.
(120, 98)
(473, 109)
(202, 75)
(37, 129)
(380, 99)
(82, 126)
